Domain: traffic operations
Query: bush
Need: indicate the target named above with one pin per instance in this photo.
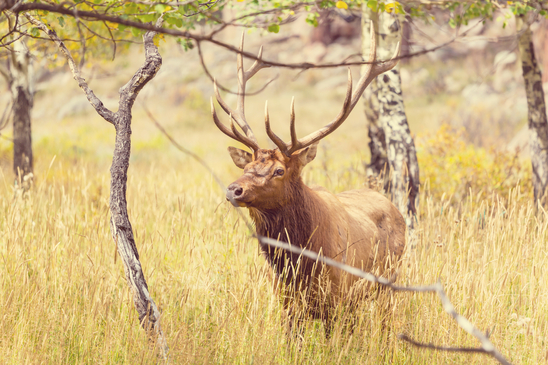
(450, 166)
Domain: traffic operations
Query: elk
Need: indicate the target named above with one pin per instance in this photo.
(360, 227)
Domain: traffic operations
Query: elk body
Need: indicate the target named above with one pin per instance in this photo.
(360, 227)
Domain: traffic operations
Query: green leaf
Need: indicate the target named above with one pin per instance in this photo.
(312, 19)
(160, 8)
(61, 21)
(273, 28)
(372, 4)
(146, 18)
(170, 20)
(135, 31)
(381, 7)
(35, 32)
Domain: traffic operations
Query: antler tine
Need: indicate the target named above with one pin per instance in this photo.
(375, 68)
(235, 115)
(240, 137)
(233, 132)
(241, 77)
(257, 65)
(294, 139)
(329, 128)
(277, 140)
(351, 99)
(239, 114)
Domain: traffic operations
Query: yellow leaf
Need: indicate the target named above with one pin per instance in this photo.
(341, 5)
(389, 8)
(240, 1)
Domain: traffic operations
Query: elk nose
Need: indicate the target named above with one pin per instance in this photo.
(234, 191)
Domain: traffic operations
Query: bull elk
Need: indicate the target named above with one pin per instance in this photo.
(360, 227)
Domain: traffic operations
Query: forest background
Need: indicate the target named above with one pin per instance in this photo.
(64, 295)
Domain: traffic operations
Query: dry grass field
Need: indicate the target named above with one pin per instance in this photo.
(63, 295)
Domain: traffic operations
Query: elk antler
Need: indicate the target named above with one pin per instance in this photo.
(239, 115)
(349, 103)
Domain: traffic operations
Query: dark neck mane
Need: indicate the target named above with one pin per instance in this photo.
(296, 223)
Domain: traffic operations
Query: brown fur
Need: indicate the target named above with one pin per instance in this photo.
(358, 227)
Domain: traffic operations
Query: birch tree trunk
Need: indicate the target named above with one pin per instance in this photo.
(122, 232)
(19, 75)
(378, 166)
(536, 112)
(398, 145)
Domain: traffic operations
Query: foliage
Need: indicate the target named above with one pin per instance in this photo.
(451, 167)
(103, 38)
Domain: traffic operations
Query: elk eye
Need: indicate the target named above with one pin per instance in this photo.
(279, 172)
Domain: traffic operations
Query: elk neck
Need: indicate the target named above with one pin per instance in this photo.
(301, 222)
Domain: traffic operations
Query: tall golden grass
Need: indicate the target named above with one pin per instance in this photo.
(64, 299)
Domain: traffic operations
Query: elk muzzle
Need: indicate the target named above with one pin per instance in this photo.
(234, 193)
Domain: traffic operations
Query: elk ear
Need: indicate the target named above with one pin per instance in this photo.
(240, 157)
(307, 154)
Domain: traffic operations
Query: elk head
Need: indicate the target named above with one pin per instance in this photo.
(271, 176)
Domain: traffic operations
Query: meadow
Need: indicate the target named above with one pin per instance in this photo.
(63, 292)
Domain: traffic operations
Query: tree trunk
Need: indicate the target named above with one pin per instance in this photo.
(536, 113)
(22, 90)
(398, 144)
(405, 49)
(378, 165)
(122, 232)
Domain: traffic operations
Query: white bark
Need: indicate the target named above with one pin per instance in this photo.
(378, 165)
(398, 144)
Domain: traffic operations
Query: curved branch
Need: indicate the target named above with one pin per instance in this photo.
(92, 98)
(122, 232)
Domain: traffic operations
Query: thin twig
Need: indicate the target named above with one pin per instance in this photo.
(220, 86)
(430, 346)
(93, 99)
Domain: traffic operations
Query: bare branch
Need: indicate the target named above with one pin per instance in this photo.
(122, 232)
(112, 39)
(6, 114)
(441, 348)
(179, 147)
(152, 64)
(92, 98)
(5, 73)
